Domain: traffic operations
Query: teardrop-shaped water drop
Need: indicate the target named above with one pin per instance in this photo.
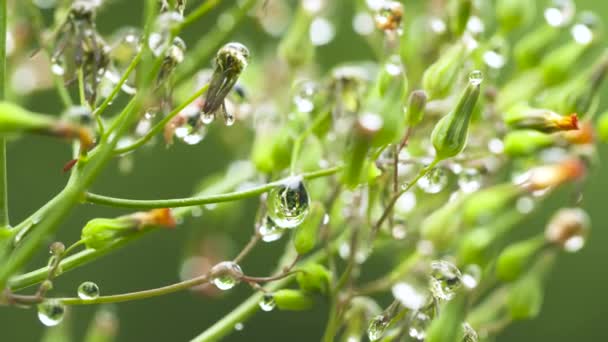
(88, 290)
(267, 303)
(226, 275)
(288, 203)
(471, 276)
(207, 118)
(434, 181)
(269, 231)
(377, 327)
(445, 279)
(51, 312)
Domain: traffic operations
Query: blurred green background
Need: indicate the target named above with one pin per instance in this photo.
(575, 307)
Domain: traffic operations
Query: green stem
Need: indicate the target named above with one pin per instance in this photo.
(4, 219)
(297, 145)
(206, 47)
(161, 124)
(200, 200)
(200, 11)
(81, 91)
(88, 255)
(139, 294)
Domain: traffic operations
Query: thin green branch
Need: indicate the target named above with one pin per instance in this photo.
(4, 218)
(199, 200)
(297, 145)
(161, 124)
(195, 15)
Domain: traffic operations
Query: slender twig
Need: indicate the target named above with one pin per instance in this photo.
(195, 15)
(297, 145)
(4, 218)
(200, 200)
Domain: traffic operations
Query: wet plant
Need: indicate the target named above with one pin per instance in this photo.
(415, 165)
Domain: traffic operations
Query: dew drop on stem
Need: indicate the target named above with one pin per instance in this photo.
(226, 275)
(51, 312)
(288, 203)
(267, 303)
(377, 327)
(88, 290)
(445, 279)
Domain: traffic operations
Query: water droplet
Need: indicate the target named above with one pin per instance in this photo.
(158, 41)
(88, 290)
(525, 204)
(585, 30)
(177, 50)
(207, 118)
(288, 203)
(471, 276)
(445, 279)
(51, 312)
(469, 334)
(267, 303)
(569, 228)
(419, 322)
(270, 231)
(226, 275)
(57, 68)
(560, 12)
(394, 67)
(304, 96)
(410, 296)
(239, 326)
(399, 232)
(229, 118)
(437, 25)
(370, 122)
(360, 256)
(321, 32)
(476, 77)
(469, 180)
(475, 25)
(377, 327)
(434, 181)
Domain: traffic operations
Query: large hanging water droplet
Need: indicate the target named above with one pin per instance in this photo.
(226, 275)
(419, 322)
(88, 290)
(207, 118)
(470, 335)
(288, 203)
(269, 231)
(560, 12)
(267, 303)
(469, 180)
(377, 327)
(51, 312)
(445, 279)
(434, 181)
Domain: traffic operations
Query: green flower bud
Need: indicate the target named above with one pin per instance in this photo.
(460, 12)
(513, 14)
(476, 243)
(525, 298)
(602, 127)
(484, 205)
(366, 128)
(415, 108)
(580, 95)
(531, 48)
(449, 136)
(514, 259)
(295, 47)
(100, 233)
(442, 225)
(448, 325)
(314, 278)
(305, 236)
(439, 78)
(527, 142)
(558, 64)
(292, 300)
(542, 120)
